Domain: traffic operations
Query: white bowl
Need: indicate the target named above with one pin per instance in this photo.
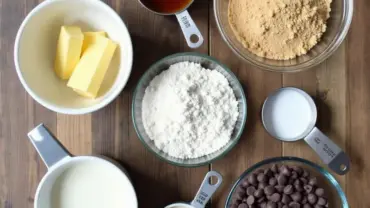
(35, 47)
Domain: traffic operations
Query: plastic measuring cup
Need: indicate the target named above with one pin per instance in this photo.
(204, 193)
(188, 27)
(289, 114)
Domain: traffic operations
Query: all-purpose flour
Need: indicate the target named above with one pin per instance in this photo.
(189, 111)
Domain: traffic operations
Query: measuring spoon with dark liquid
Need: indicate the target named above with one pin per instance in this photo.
(193, 37)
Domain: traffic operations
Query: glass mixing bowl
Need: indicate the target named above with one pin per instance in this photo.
(337, 28)
(333, 191)
(206, 62)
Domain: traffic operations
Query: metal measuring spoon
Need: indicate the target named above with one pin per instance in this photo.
(289, 114)
(204, 193)
(188, 27)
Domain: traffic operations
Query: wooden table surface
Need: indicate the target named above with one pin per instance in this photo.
(340, 86)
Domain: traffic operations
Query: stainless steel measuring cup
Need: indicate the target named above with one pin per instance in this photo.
(289, 114)
(192, 35)
(204, 193)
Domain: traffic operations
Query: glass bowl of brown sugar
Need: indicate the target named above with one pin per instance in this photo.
(323, 46)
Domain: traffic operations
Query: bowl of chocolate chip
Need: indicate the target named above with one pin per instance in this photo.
(286, 182)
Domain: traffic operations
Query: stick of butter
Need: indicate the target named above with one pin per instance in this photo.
(90, 38)
(68, 51)
(89, 73)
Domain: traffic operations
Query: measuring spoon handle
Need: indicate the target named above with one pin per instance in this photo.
(206, 190)
(329, 152)
(189, 28)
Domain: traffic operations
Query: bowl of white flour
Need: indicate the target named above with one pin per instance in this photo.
(189, 109)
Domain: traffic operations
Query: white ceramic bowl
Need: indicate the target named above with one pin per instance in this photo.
(35, 47)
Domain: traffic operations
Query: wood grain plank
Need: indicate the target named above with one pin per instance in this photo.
(20, 167)
(255, 144)
(358, 57)
(157, 183)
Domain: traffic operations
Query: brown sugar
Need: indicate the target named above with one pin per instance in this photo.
(279, 29)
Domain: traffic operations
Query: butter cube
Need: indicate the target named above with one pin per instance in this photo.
(89, 73)
(90, 38)
(68, 51)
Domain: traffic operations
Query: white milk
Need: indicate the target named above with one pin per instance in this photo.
(288, 114)
(91, 185)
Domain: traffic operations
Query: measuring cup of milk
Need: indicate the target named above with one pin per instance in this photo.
(78, 182)
(290, 114)
(204, 193)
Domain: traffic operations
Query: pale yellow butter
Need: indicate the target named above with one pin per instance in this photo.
(68, 51)
(90, 38)
(90, 71)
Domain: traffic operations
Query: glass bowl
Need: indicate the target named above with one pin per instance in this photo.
(333, 191)
(337, 28)
(206, 62)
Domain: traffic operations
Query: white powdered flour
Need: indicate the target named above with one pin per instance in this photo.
(189, 111)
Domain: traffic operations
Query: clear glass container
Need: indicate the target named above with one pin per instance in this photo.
(333, 191)
(337, 28)
(206, 62)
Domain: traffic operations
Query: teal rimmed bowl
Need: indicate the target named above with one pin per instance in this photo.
(206, 62)
(334, 192)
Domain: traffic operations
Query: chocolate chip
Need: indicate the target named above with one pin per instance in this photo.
(250, 190)
(271, 204)
(263, 205)
(260, 200)
(285, 206)
(272, 181)
(269, 190)
(318, 206)
(321, 201)
(280, 205)
(239, 194)
(260, 170)
(304, 200)
(294, 205)
(296, 196)
(313, 181)
(245, 183)
(262, 185)
(297, 182)
(275, 197)
(312, 198)
(294, 175)
(243, 205)
(234, 206)
(307, 206)
(303, 180)
(252, 179)
(250, 200)
(305, 174)
(268, 173)
(299, 188)
(288, 189)
(252, 206)
(282, 180)
(308, 188)
(262, 177)
(286, 199)
(298, 170)
(285, 171)
(274, 168)
(276, 175)
(244, 200)
(319, 192)
(279, 188)
(259, 193)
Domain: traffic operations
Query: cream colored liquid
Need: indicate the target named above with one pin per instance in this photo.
(91, 185)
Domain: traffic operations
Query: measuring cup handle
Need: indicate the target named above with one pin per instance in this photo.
(329, 152)
(189, 29)
(47, 146)
(206, 190)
